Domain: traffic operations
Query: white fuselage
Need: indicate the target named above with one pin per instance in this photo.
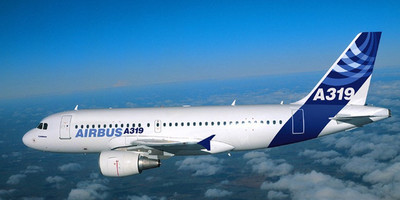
(238, 127)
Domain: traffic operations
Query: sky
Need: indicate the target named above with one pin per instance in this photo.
(63, 47)
(100, 54)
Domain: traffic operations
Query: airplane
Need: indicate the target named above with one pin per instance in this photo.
(131, 140)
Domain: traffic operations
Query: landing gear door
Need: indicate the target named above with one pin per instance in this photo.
(65, 127)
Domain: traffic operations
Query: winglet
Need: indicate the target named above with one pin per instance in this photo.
(206, 142)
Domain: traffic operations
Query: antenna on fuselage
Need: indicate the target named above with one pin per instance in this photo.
(76, 107)
(233, 103)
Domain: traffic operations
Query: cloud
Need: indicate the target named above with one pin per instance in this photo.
(32, 169)
(94, 188)
(70, 167)
(143, 197)
(4, 192)
(261, 164)
(390, 174)
(315, 185)
(216, 193)
(277, 195)
(15, 179)
(56, 180)
(202, 165)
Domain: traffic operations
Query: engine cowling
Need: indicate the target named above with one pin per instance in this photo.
(124, 163)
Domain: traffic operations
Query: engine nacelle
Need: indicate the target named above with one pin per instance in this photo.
(124, 163)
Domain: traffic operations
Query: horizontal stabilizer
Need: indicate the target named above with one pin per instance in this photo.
(354, 120)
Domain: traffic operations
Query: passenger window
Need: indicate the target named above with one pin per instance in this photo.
(274, 122)
(262, 122)
(176, 124)
(200, 123)
(164, 124)
(110, 126)
(76, 126)
(267, 121)
(280, 121)
(182, 124)
(82, 126)
(133, 125)
(148, 125)
(127, 125)
(122, 125)
(194, 123)
(237, 122)
(170, 124)
(157, 124)
(105, 126)
(45, 126)
(116, 125)
(242, 122)
(218, 123)
(224, 123)
(98, 126)
(93, 126)
(230, 123)
(188, 124)
(87, 126)
(206, 123)
(212, 123)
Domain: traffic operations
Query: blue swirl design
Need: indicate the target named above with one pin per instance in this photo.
(357, 62)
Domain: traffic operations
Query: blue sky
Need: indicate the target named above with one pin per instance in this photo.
(62, 47)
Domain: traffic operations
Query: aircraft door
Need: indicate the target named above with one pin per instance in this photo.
(157, 126)
(65, 127)
(298, 121)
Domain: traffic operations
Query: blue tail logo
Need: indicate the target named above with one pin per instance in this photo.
(346, 81)
(349, 72)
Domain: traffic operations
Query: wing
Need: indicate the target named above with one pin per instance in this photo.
(164, 147)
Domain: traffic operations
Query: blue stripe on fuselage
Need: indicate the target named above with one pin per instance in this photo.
(316, 117)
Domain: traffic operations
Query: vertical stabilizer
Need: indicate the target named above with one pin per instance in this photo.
(347, 81)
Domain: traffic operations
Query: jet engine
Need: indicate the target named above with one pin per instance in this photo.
(124, 163)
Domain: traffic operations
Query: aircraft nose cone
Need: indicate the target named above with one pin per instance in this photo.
(28, 139)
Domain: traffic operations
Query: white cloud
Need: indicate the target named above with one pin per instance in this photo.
(215, 193)
(277, 195)
(202, 165)
(261, 164)
(319, 154)
(4, 192)
(15, 179)
(32, 169)
(54, 179)
(315, 185)
(70, 167)
(94, 188)
(390, 174)
(143, 197)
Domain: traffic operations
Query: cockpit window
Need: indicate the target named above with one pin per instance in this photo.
(40, 126)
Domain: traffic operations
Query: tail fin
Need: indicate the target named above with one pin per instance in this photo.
(347, 81)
